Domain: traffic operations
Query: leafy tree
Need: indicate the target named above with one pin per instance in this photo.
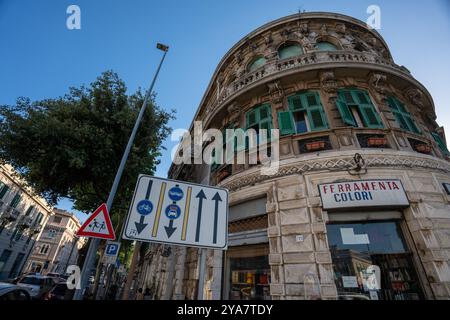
(71, 146)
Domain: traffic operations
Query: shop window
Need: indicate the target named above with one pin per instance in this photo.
(305, 114)
(325, 46)
(256, 64)
(357, 110)
(289, 51)
(403, 117)
(249, 272)
(441, 144)
(371, 261)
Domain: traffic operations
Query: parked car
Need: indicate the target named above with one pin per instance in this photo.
(38, 285)
(60, 291)
(12, 292)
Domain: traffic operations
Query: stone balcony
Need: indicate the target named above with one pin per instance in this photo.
(318, 59)
(9, 213)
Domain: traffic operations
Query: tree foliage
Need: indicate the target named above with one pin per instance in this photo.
(71, 146)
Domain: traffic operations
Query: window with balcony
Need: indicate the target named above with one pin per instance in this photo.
(51, 233)
(39, 218)
(357, 109)
(305, 114)
(57, 220)
(16, 200)
(256, 63)
(3, 190)
(29, 210)
(325, 46)
(289, 51)
(403, 117)
(44, 249)
(441, 144)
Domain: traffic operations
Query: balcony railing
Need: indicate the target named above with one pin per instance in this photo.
(318, 57)
(10, 214)
(27, 222)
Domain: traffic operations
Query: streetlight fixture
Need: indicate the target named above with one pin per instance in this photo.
(93, 247)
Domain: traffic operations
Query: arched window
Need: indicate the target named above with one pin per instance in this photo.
(289, 51)
(325, 46)
(256, 63)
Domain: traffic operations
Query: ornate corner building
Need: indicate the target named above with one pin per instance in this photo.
(359, 208)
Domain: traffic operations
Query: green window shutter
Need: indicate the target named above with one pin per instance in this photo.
(346, 113)
(264, 112)
(30, 209)
(402, 116)
(316, 114)
(250, 118)
(412, 124)
(440, 143)
(286, 123)
(267, 125)
(3, 190)
(370, 116)
(15, 201)
(368, 112)
(295, 103)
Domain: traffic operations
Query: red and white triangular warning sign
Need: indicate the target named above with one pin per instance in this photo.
(98, 225)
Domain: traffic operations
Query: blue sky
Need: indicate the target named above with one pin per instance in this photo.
(41, 58)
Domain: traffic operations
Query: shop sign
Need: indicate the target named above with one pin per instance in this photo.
(363, 193)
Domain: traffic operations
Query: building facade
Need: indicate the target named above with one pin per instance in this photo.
(359, 206)
(22, 218)
(58, 246)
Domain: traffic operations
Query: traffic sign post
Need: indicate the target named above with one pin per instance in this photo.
(94, 244)
(176, 212)
(111, 252)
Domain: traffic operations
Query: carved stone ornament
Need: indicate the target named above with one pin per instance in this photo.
(328, 82)
(303, 28)
(414, 95)
(268, 39)
(377, 81)
(340, 28)
(276, 91)
(233, 110)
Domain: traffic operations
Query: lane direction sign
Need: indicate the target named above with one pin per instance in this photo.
(176, 212)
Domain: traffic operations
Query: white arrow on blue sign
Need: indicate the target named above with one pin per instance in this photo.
(177, 212)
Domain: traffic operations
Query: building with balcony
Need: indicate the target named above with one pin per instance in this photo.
(363, 184)
(22, 218)
(58, 247)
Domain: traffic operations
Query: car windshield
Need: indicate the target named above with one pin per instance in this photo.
(32, 280)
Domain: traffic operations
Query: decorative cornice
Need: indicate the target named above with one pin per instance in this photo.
(337, 163)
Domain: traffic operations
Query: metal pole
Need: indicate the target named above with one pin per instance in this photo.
(90, 257)
(201, 274)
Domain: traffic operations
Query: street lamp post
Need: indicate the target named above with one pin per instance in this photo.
(94, 244)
